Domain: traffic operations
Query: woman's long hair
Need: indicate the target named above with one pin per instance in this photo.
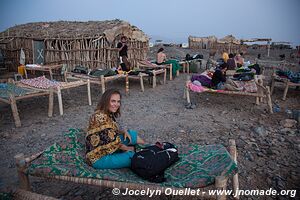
(103, 104)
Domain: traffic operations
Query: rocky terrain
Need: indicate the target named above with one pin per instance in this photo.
(268, 144)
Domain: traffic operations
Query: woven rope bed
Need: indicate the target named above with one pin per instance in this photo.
(198, 167)
(263, 92)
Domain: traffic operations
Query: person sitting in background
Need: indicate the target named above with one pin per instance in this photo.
(231, 62)
(210, 61)
(219, 77)
(239, 60)
(161, 57)
(108, 147)
(225, 56)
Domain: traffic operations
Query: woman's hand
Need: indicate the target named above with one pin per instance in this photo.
(126, 148)
(126, 135)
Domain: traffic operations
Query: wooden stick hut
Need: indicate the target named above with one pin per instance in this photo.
(229, 44)
(91, 44)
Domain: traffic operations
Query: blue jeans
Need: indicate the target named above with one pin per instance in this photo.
(118, 159)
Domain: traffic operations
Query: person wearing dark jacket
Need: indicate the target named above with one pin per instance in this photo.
(231, 62)
(219, 77)
(123, 56)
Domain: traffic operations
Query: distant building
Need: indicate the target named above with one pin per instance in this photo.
(228, 43)
(202, 42)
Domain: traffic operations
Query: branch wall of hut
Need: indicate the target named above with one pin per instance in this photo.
(91, 52)
(12, 51)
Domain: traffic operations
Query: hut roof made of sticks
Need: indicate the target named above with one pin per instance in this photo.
(74, 29)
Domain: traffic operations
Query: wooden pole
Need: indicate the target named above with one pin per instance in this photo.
(286, 88)
(23, 177)
(89, 92)
(50, 110)
(268, 48)
(187, 90)
(272, 83)
(142, 82)
(126, 84)
(60, 104)
(269, 100)
(102, 83)
(14, 109)
(170, 67)
(235, 180)
(165, 76)
(154, 79)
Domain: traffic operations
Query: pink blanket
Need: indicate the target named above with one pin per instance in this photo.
(40, 82)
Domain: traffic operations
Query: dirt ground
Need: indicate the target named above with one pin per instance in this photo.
(268, 152)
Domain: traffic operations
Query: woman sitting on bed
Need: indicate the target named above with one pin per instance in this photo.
(160, 57)
(108, 147)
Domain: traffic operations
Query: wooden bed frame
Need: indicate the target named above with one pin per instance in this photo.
(263, 92)
(285, 81)
(57, 90)
(165, 66)
(22, 164)
(12, 101)
(102, 80)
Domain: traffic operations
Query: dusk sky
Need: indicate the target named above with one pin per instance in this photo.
(170, 20)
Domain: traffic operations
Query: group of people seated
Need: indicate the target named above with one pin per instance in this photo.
(216, 78)
(233, 60)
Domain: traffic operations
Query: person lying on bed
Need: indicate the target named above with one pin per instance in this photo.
(219, 77)
(108, 147)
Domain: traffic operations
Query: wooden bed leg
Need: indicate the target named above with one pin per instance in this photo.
(260, 90)
(14, 109)
(102, 80)
(171, 76)
(269, 100)
(165, 76)
(21, 166)
(142, 83)
(272, 84)
(235, 179)
(51, 74)
(65, 76)
(257, 101)
(25, 71)
(221, 184)
(286, 82)
(50, 109)
(60, 104)
(154, 80)
(126, 84)
(89, 92)
(187, 93)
